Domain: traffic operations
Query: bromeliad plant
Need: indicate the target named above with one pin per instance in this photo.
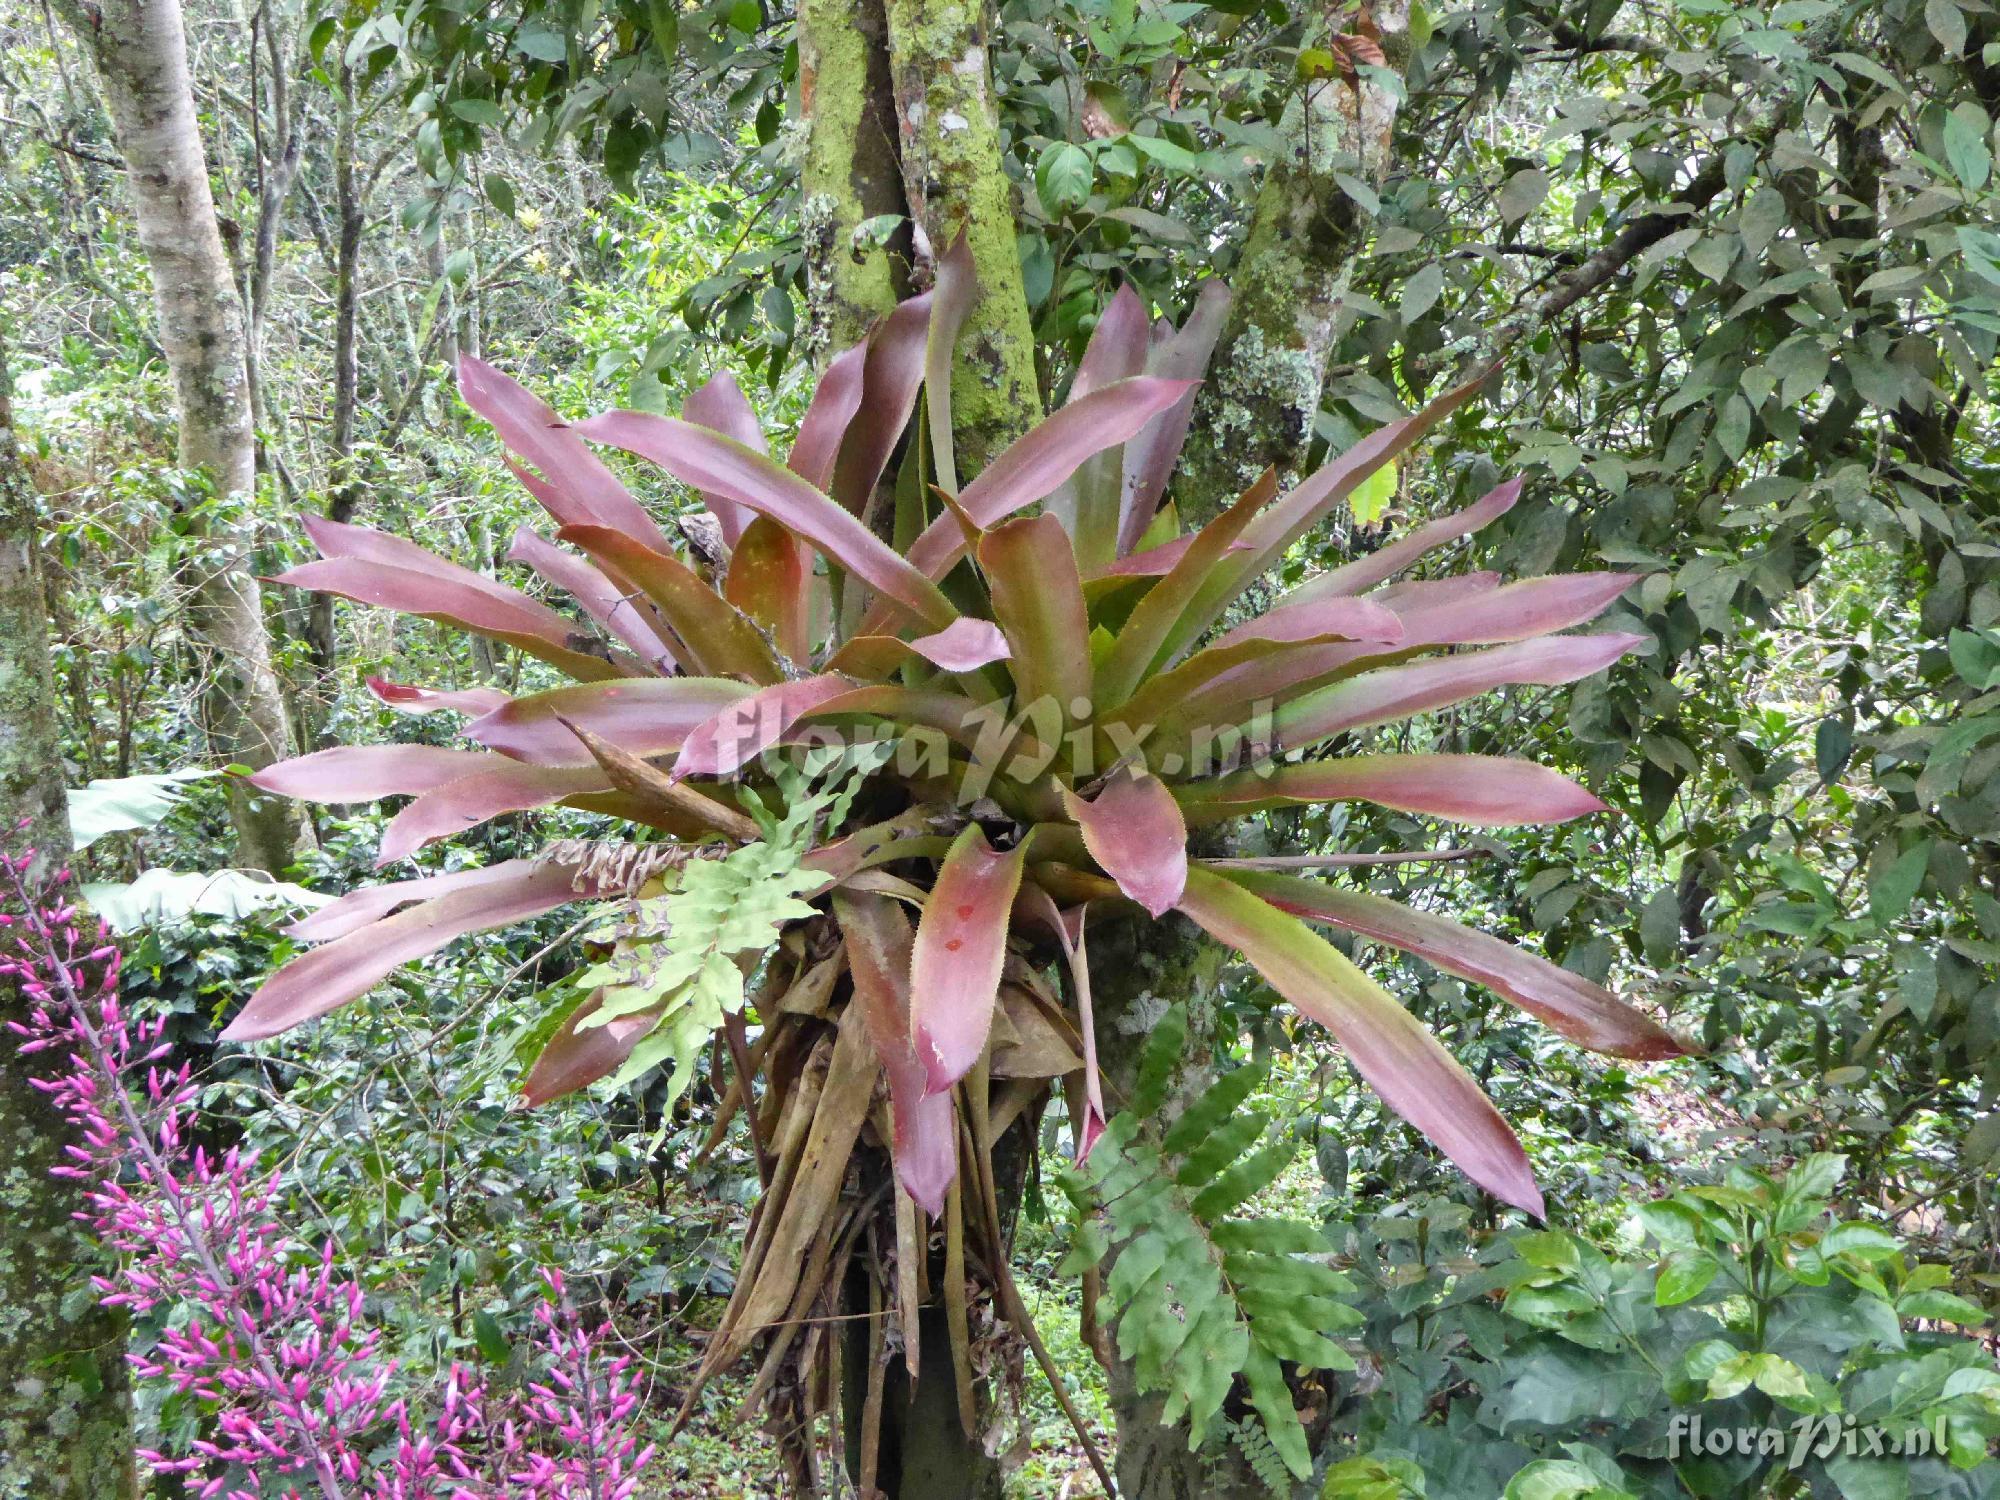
(991, 702)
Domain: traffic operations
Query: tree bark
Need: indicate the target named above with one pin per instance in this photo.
(65, 1404)
(953, 181)
(1138, 968)
(140, 51)
(1269, 370)
(852, 171)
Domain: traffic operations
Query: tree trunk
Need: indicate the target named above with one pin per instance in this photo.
(1138, 968)
(852, 172)
(953, 182)
(1265, 381)
(346, 362)
(65, 1405)
(141, 55)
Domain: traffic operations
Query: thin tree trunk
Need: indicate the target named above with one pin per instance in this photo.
(65, 1403)
(953, 181)
(346, 362)
(140, 51)
(1269, 370)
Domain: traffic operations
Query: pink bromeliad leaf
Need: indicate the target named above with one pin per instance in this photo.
(965, 645)
(576, 479)
(1306, 504)
(489, 609)
(892, 373)
(362, 773)
(576, 1055)
(721, 406)
(1418, 686)
(770, 580)
(737, 734)
(720, 640)
(1143, 636)
(711, 462)
(645, 715)
(1036, 464)
(1134, 830)
(600, 598)
(1484, 790)
(1586, 1013)
(501, 786)
(407, 698)
(1150, 455)
(823, 428)
(1038, 601)
(879, 947)
(1068, 928)
(370, 903)
(1088, 505)
(960, 947)
(337, 972)
(1387, 561)
(1388, 1046)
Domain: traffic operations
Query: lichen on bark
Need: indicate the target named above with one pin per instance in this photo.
(949, 133)
(1269, 370)
(851, 171)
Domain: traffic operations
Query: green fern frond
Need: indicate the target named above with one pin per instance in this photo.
(1265, 1461)
(1198, 1297)
(682, 953)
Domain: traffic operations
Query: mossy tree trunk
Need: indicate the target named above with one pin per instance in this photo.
(852, 172)
(139, 48)
(949, 135)
(1269, 370)
(65, 1406)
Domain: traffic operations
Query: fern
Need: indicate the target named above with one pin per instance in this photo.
(680, 952)
(1200, 1297)
(1265, 1461)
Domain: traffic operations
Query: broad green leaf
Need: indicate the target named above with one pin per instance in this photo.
(1684, 1276)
